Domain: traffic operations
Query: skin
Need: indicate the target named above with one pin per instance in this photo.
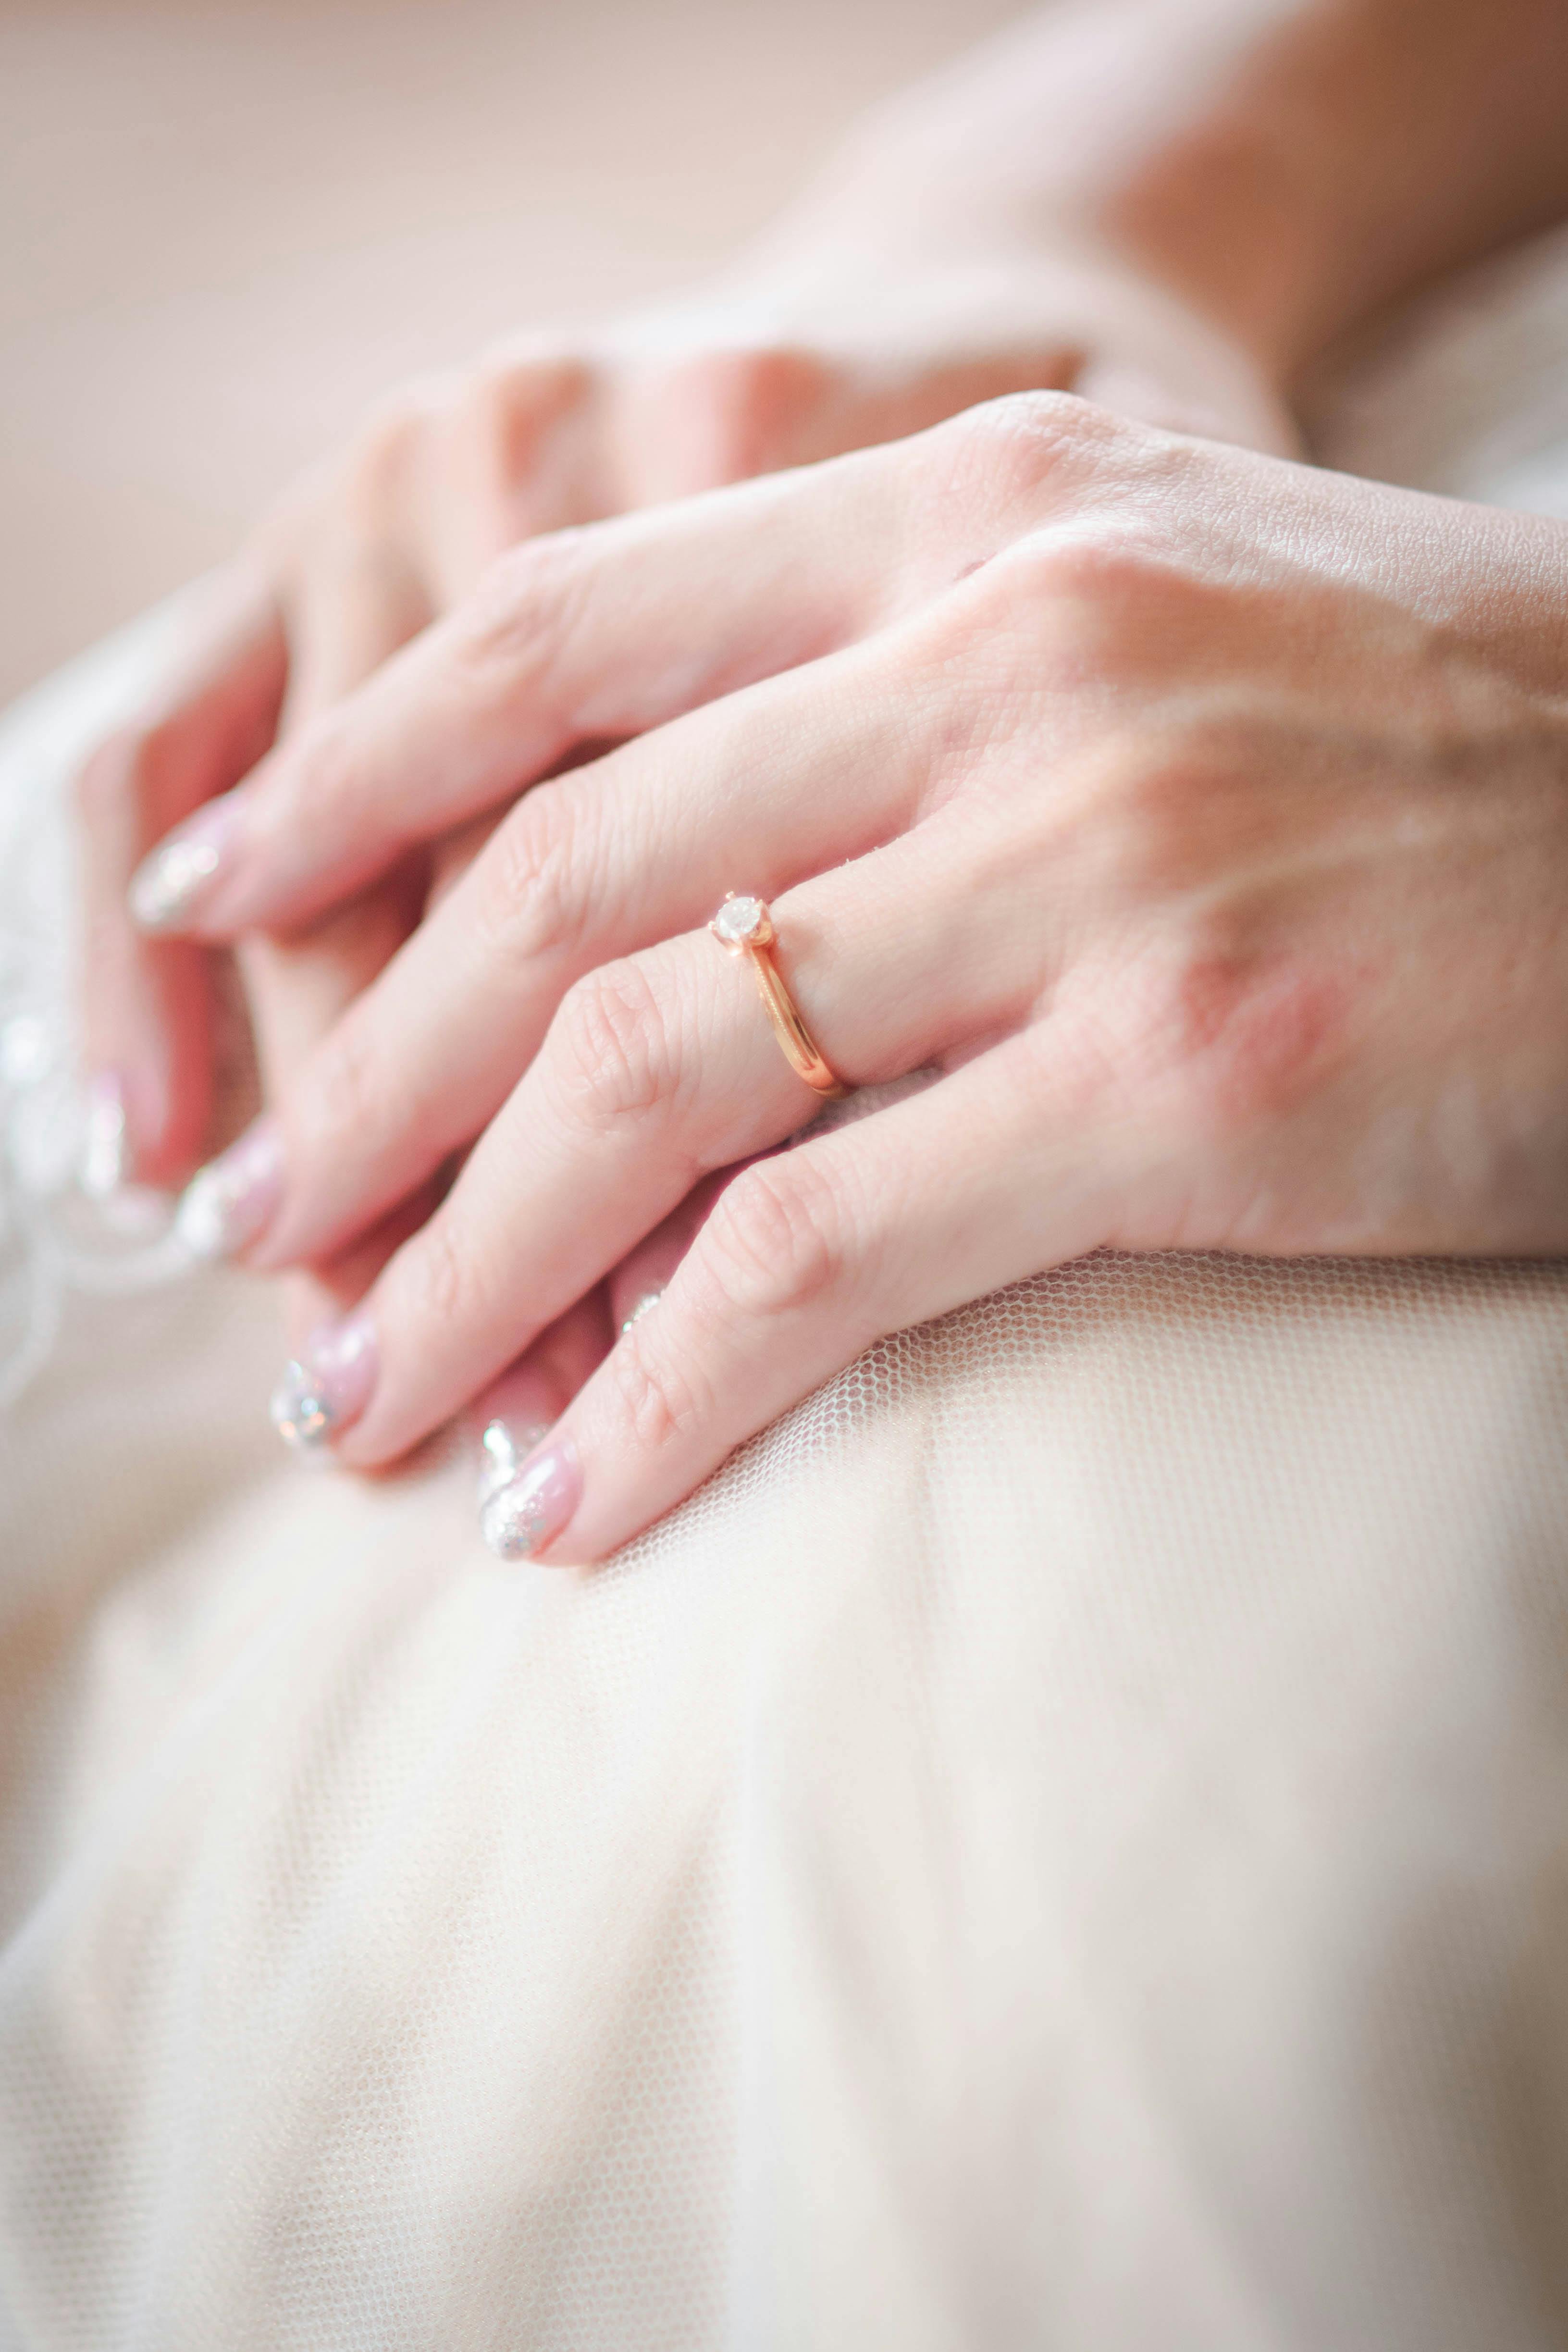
(1201, 818)
(1169, 207)
(843, 331)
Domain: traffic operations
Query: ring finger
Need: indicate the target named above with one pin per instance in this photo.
(657, 1071)
(616, 858)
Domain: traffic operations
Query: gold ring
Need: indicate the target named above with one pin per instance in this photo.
(744, 926)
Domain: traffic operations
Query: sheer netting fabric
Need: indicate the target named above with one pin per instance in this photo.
(1063, 1842)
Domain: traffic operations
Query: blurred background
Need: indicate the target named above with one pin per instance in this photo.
(225, 226)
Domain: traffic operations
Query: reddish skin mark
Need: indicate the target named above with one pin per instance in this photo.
(1262, 1038)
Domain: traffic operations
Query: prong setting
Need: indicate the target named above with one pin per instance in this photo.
(743, 922)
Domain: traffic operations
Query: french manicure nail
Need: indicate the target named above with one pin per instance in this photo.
(327, 1385)
(168, 887)
(530, 1509)
(504, 1448)
(231, 1201)
(106, 1147)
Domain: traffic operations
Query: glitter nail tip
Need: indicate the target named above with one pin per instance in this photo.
(514, 1521)
(230, 1202)
(532, 1507)
(327, 1385)
(167, 888)
(301, 1411)
(504, 1448)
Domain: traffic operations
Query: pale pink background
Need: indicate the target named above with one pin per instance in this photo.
(225, 225)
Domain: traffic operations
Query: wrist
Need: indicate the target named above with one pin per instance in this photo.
(1100, 134)
(1281, 169)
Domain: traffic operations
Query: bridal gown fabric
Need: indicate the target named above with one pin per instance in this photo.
(1063, 1842)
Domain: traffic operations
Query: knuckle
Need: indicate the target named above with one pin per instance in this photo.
(726, 416)
(525, 605)
(395, 425)
(381, 454)
(613, 1051)
(1093, 601)
(658, 1399)
(442, 1278)
(486, 441)
(343, 1097)
(321, 772)
(1017, 442)
(488, 401)
(774, 1243)
(529, 900)
(1108, 570)
(505, 406)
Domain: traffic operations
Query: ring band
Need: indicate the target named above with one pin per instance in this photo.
(743, 926)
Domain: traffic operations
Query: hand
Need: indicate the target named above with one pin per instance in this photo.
(1202, 819)
(1169, 205)
(903, 291)
(535, 438)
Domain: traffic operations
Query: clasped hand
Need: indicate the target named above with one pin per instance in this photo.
(1201, 821)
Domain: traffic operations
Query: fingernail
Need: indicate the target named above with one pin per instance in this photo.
(231, 1201)
(533, 1507)
(504, 1448)
(106, 1149)
(329, 1384)
(168, 887)
(644, 1305)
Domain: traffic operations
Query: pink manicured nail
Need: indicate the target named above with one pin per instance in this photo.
(329, 1384)
(168, 887)
(230, 1202)
(106, 1147)
(530, 1509)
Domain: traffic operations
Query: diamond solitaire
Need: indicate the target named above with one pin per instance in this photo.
(742, 923)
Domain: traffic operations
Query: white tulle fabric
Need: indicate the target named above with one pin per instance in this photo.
(1064, 1843)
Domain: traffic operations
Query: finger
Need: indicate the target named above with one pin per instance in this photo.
(636, 1285)
(296, 989)
(145, 1003)
(349, 609)
(517, 1412)
(580, 635)
(330, 1290)
(1011, 1164)
(354, 604)
(518, 453)
(606, 632)
(614, 858)
(656, 1072)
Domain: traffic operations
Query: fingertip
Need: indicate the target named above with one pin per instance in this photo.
(145, 1116)
(531, 1504)
(171, 895)
(165, 1063)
